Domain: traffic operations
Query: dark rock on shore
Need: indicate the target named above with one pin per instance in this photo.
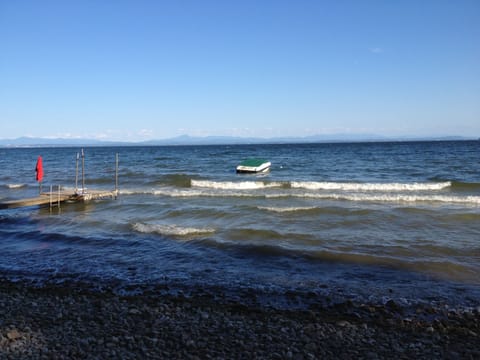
(69, 323)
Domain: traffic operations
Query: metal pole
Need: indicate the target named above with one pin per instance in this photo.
(51, 200)
(76, 173)
(83, 172)
(58, 198)
(116, 175)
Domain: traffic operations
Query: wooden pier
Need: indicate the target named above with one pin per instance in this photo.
(55, 198)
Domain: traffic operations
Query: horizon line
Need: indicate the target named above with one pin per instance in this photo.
(30, 141)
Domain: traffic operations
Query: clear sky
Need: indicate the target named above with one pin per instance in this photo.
(138, 70)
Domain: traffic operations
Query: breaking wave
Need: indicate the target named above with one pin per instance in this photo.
(230, 185)
(15, 186)
(354, 196)
(313, 185)
(474, 200)
(287, 209)
(171, 230)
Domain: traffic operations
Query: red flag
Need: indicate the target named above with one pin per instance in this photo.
(39, 169)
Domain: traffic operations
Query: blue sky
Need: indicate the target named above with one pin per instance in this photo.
(138, 70)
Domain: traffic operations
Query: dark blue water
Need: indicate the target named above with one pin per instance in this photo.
(364, 220)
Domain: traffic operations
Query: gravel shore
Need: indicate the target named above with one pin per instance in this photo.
(65, 322)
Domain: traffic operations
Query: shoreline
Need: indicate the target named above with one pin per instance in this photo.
(71, 321)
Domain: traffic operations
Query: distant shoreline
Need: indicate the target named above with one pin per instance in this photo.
(213, 141)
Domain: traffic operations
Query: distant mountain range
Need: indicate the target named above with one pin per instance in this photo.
(217, 140)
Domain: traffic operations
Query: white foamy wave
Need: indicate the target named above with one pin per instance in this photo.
(15, 186)
(179, 193)
(189, 192)
(466, 200)
(204, 193)
(286, 209)
(171, 230)
(135, 191)
(313, 185)
(230, 185)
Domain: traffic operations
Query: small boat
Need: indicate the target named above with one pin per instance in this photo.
(253, 166)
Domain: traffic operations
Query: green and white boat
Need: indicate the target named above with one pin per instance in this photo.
(253, 166)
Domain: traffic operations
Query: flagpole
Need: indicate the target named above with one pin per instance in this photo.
(83, 172)
(76, 173)
(116, 175)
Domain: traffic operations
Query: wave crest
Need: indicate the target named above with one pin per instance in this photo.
(287, 209)
(314, 185)
(15, 186)
(231, 185)
(171, 230)
(399, 198)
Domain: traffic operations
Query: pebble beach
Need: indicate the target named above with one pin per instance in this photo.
(71, 322)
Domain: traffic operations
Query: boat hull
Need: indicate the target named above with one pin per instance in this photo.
(264, 167)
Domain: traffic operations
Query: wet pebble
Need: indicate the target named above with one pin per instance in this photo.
(63, 324)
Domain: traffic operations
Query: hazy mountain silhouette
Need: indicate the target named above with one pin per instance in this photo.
(217, 140)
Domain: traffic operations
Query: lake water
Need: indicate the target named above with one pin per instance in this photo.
(361, 221)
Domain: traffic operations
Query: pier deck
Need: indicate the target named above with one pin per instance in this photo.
(56, 197)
